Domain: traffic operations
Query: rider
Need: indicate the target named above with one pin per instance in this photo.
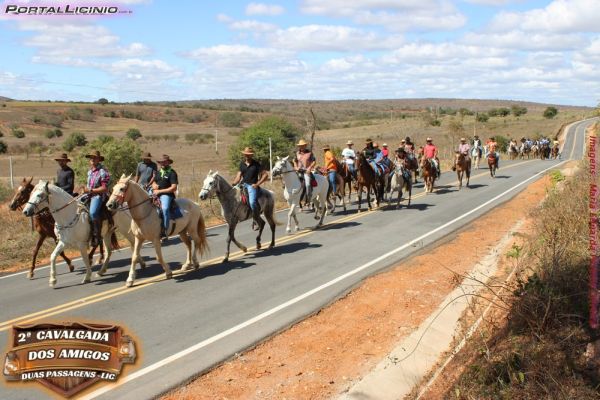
(409, 146)
(97, 189)
(492, 146)
(252, 175)
(65, 177)
(385, 151)
(331, 167)
(430, 152)
(146, 171)
(349, 156)
(465, 149)
(305, 162)
(165, 186)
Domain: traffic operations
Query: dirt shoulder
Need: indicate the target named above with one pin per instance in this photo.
(325, 354)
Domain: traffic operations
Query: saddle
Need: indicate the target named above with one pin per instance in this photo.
(313, 181)
(105, 213)
(174, 210)
(381, 167)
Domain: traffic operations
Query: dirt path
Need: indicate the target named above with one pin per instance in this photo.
(325, 354)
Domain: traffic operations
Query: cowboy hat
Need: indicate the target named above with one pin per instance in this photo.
(165, 158)
(147, 156)
(462, 139)
(368, 140)
(326, 147)
(95, 154)
(63, 157)
(384, 145)
(429, 139)
(248, 151)
(403, 141)
(302, 142)
(349, 142)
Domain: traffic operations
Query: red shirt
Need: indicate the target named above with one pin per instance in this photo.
(429, 150)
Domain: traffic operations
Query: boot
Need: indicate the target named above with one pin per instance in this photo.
(255, 218)
(96, 233)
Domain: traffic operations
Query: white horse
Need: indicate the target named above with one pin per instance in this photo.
(146, 225)
(398, 183)
(234, 211)
(293, 190)
(476, 154)
(72, 226)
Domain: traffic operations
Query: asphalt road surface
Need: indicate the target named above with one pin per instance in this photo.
(188, 324)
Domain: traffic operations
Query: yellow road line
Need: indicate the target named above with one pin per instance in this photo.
(108, 294)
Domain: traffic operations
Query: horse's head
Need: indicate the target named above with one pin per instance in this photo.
(120, 193)
(40, 195)
(282, 166)
(209, 186)
(22, 194)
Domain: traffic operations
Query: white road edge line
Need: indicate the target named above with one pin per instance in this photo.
(297, 299)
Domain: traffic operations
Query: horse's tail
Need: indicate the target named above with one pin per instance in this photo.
(114, 242)
(202, 245)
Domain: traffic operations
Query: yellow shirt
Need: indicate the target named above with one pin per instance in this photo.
(330, 163)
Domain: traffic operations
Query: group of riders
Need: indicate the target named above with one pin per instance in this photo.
(161, 183)
(543, 147)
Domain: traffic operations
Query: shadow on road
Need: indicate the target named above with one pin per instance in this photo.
(476, 186)
(341, 225)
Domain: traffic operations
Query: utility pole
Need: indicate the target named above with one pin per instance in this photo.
(271, 160)
(12, 181)
(216, 133)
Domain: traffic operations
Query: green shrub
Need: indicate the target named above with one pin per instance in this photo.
(482, 117)
(76, 139)
(50, 133)
(550, 112)
(3, 147)
(517, 111)
(503, 143)
(231, 119)
(18, 133)
(134, 134)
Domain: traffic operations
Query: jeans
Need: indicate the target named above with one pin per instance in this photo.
(332, 181)
(252, 196)
(165, 205)
(95, 204)
(352, 170)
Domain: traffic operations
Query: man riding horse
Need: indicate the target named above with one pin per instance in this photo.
(492, 146)
(65, 176)
(376, 158)
(349, 157)
(97, 191)
(304, 164)
(331, 167)
(165, 186)
(430, 152)
(463, 148)
(251, 175)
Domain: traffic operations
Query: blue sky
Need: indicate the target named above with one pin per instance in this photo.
(546, 51)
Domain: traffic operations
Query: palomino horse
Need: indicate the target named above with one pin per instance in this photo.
(146, 225)
(554, 152)
(72, 225)
(398, 182)
(429, 174)
(535, 150)
(476, 155)
(512, 151)
(42, 223)
(293, 189)
(235, 211)
(463, 167)
(367, 178)
(492, 163)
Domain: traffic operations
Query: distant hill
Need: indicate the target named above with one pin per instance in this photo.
(2, 98)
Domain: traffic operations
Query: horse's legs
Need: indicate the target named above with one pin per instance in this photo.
(107, 243)
(359, 195)
(188, 245)
(58, 249)
(88, 265)
(41, 239)
(269, 215)
(135, 256)
(369, 197)
(288, 229)
(261, 225)
(159, 257)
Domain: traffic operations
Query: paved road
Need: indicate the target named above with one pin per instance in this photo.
(190, 323)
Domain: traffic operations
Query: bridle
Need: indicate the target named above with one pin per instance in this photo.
(121, 199)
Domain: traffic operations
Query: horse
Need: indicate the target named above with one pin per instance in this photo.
(398, 182)
(463, 167)
(512, 150)
(293, 188)
(554, 152)
(535, 150)
(235, 211)
(544, 151)
(492, 163)
(42, 222)
(346, 179)
(340, 192)
(367, 178)
(72, 225)
(524, 150)
(429, 174)
(476, 155)
(146, 225)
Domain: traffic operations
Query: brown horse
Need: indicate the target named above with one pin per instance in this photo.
(43, 222)
(367, 178)
(492, 163)
(428, 173)
(347, 179)
(554, 152)
(463, 166)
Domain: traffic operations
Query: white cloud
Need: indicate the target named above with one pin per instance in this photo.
(434, 53)
(264, 9)
(495, 3)
(560, 16)
(330, 38)
(519, 40)
(252, 25)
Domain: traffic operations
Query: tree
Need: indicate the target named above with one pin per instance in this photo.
(76, 139)
(102, 101)
(517, 111)
(121, 156)
(18, 133)
(503, 111)
(550, 112)
(3, 147)
(231, 119)
(502, 143)
(457, 130)
(134, 134)
(283, 137)
(483, 117)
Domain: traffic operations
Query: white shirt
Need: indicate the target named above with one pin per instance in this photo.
(349, 155)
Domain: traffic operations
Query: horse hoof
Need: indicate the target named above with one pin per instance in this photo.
(288, 230)
(297, 229)
(71, 268)
(99, 275)
(226, 259)
(30, 275)
(86, 280)
(52, 283)
(143, 265)
(168, 275)
(196, 266)
(129, 283)
(184, 267)
(258, 246)
(245, 249)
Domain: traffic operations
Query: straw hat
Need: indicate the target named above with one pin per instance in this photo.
(302, 142)
(403, 141)
(165, 159)
(326, 147)
(349, 142)
(462, 139)
(63, 157)
(147, 156)
(95, 154)
(248, 151)
(429, 139)
(369, 140)
(384, 145)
